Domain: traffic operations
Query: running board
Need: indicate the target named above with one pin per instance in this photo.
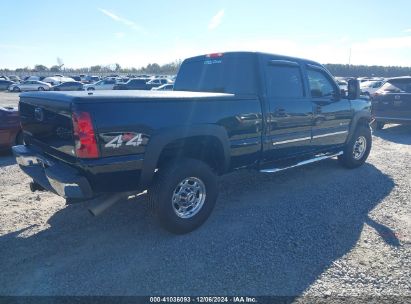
(302, 163)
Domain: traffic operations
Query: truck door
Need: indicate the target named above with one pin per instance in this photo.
(331, 113)
(289, 111)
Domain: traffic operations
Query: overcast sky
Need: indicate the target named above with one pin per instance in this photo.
(134, 33)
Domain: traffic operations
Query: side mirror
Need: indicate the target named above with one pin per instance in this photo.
(353, 91)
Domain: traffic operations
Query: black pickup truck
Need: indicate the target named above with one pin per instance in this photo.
(228, 111)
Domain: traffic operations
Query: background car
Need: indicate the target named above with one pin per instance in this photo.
(164, 87)
(132, 84)
(392, 102)
(4, 84)
(33, 78)
(10, 130)
(76, 78)
(371, 86)
(342, 84)
(156, 82)
(106, 84)
(56, 80)
(30, 85)
(14, 78)
(69, 86)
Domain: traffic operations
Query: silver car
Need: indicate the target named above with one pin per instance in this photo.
(30, 85)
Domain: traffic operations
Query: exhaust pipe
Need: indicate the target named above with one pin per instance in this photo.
(102, 203)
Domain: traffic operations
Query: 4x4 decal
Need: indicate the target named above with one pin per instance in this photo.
(126, 139)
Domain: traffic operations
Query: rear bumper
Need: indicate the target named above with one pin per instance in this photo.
(53, 175)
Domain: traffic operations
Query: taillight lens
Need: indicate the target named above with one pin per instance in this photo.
(84, 136)
(214, 55)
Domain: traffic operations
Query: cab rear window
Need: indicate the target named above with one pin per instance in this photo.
(224, 74)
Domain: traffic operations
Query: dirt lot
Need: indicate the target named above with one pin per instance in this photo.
(316, 230)
(8, 99)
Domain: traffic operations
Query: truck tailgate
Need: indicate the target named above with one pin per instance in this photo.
(47, 122)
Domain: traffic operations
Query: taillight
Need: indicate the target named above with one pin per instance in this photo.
(84, 136)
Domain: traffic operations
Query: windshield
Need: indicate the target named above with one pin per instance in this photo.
(224, 74)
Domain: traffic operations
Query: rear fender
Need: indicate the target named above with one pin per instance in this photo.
(162, 138)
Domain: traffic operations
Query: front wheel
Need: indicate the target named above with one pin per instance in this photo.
(357, 148)
(40, 89)
(183, 195)
(16, 89)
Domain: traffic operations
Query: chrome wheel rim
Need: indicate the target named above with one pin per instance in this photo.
(360, 146)
(188, 197)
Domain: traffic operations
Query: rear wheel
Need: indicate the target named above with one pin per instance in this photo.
(358, 148)
(183, 195)
(19, 139)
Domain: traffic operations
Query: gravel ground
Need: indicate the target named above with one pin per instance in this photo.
(318, 230)
(8, 99)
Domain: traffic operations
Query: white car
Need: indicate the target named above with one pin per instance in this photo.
(342, 84)
(56, 80)
(105, 84)
(30, 85)
(370, 87)
(164, 87)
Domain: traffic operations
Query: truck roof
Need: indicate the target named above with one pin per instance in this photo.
(249, 53)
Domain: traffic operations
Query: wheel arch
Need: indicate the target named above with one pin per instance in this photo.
(185, 137)
(360, 118)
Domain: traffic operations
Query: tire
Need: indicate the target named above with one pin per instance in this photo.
(19, 139)
(40, 89)
(167, 185)
(355, 153)
(16, 89)
(90, 89)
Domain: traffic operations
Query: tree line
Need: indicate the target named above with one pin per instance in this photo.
(343, 70)
(152, 68)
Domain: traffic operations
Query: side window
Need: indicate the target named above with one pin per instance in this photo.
(284, 81)
(320, 84)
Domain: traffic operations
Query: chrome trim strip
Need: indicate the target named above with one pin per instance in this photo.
(305, 162)
(392, 118)
(291, 141)
(330, 134)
